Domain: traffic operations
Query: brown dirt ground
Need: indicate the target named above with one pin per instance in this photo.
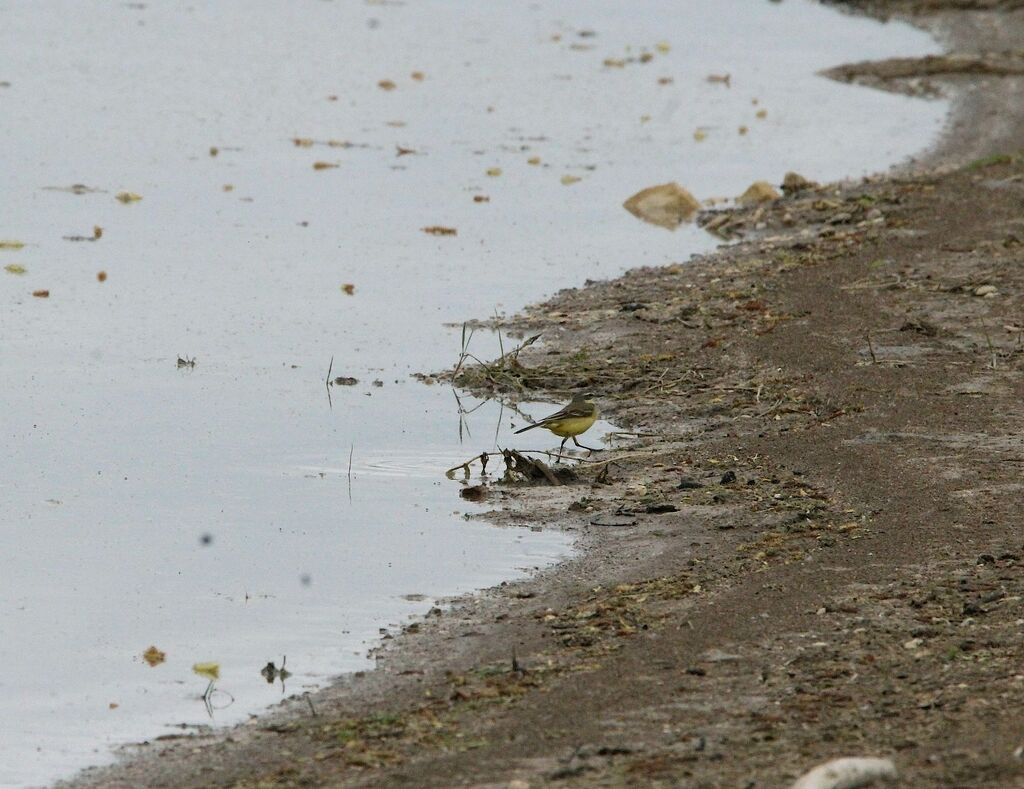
(842, 570)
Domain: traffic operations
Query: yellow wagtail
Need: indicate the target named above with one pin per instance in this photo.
(573, 420)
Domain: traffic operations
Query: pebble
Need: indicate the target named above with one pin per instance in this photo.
(986, 290)
(848, 773)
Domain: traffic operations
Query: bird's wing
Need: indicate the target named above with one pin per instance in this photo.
(569, 412)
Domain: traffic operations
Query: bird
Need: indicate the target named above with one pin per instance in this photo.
(573, 420)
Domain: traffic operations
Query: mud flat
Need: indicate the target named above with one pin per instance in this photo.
(811, 548)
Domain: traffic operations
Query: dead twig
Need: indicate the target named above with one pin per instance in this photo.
(871, 348)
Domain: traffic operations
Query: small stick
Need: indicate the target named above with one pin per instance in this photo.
(871, 348)
(327, 383)
(991, 348)
(312, 709)
(351, 449)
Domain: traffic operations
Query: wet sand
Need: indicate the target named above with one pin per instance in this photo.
(811, 550)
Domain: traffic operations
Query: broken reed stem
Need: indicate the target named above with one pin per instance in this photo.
(551, 454)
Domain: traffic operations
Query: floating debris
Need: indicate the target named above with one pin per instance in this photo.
(97, 234)
(494, 172)
(101, 276)
(325, 165)
(386, 84)
(348, 289)
(75, 189)
(14, 268)
(343, 380)
(41, 294)
(11, 244)
(154, 656)
(127, 197)
(440, 230)
(569, 180)
(720, 79)
(210, 670)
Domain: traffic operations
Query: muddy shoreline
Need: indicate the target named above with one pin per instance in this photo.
(817, 553)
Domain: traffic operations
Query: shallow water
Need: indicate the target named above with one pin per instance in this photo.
(210, 510)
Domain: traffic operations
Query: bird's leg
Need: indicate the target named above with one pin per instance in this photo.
(561, 447)
(581, 446)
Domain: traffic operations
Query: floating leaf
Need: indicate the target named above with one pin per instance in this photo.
(386, 84)
(154, 656)
(41, 294)
(418, 76)
(438, 230)
(349, 289)
(101, 276)
(214, 150)
(209, 670)
(494, 172)
(14, 268)
(11, 244)
(127, 197)
(302, 142)
(700, 135)
(481, 199)
(568, 180)
(534, 160)
(324, 165)
(762, 114)
(663, 47)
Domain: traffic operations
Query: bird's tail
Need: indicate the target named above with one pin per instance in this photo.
(528, 427)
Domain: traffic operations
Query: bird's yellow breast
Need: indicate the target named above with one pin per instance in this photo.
(571, 426)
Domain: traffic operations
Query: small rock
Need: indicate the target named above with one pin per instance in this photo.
(913, 643)
(660, 508)
(474, 493)
(757, 193)
(689, 484)
(848, 773)
(728, 478)
(667, 205)
(794, 182)
(986, 290)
